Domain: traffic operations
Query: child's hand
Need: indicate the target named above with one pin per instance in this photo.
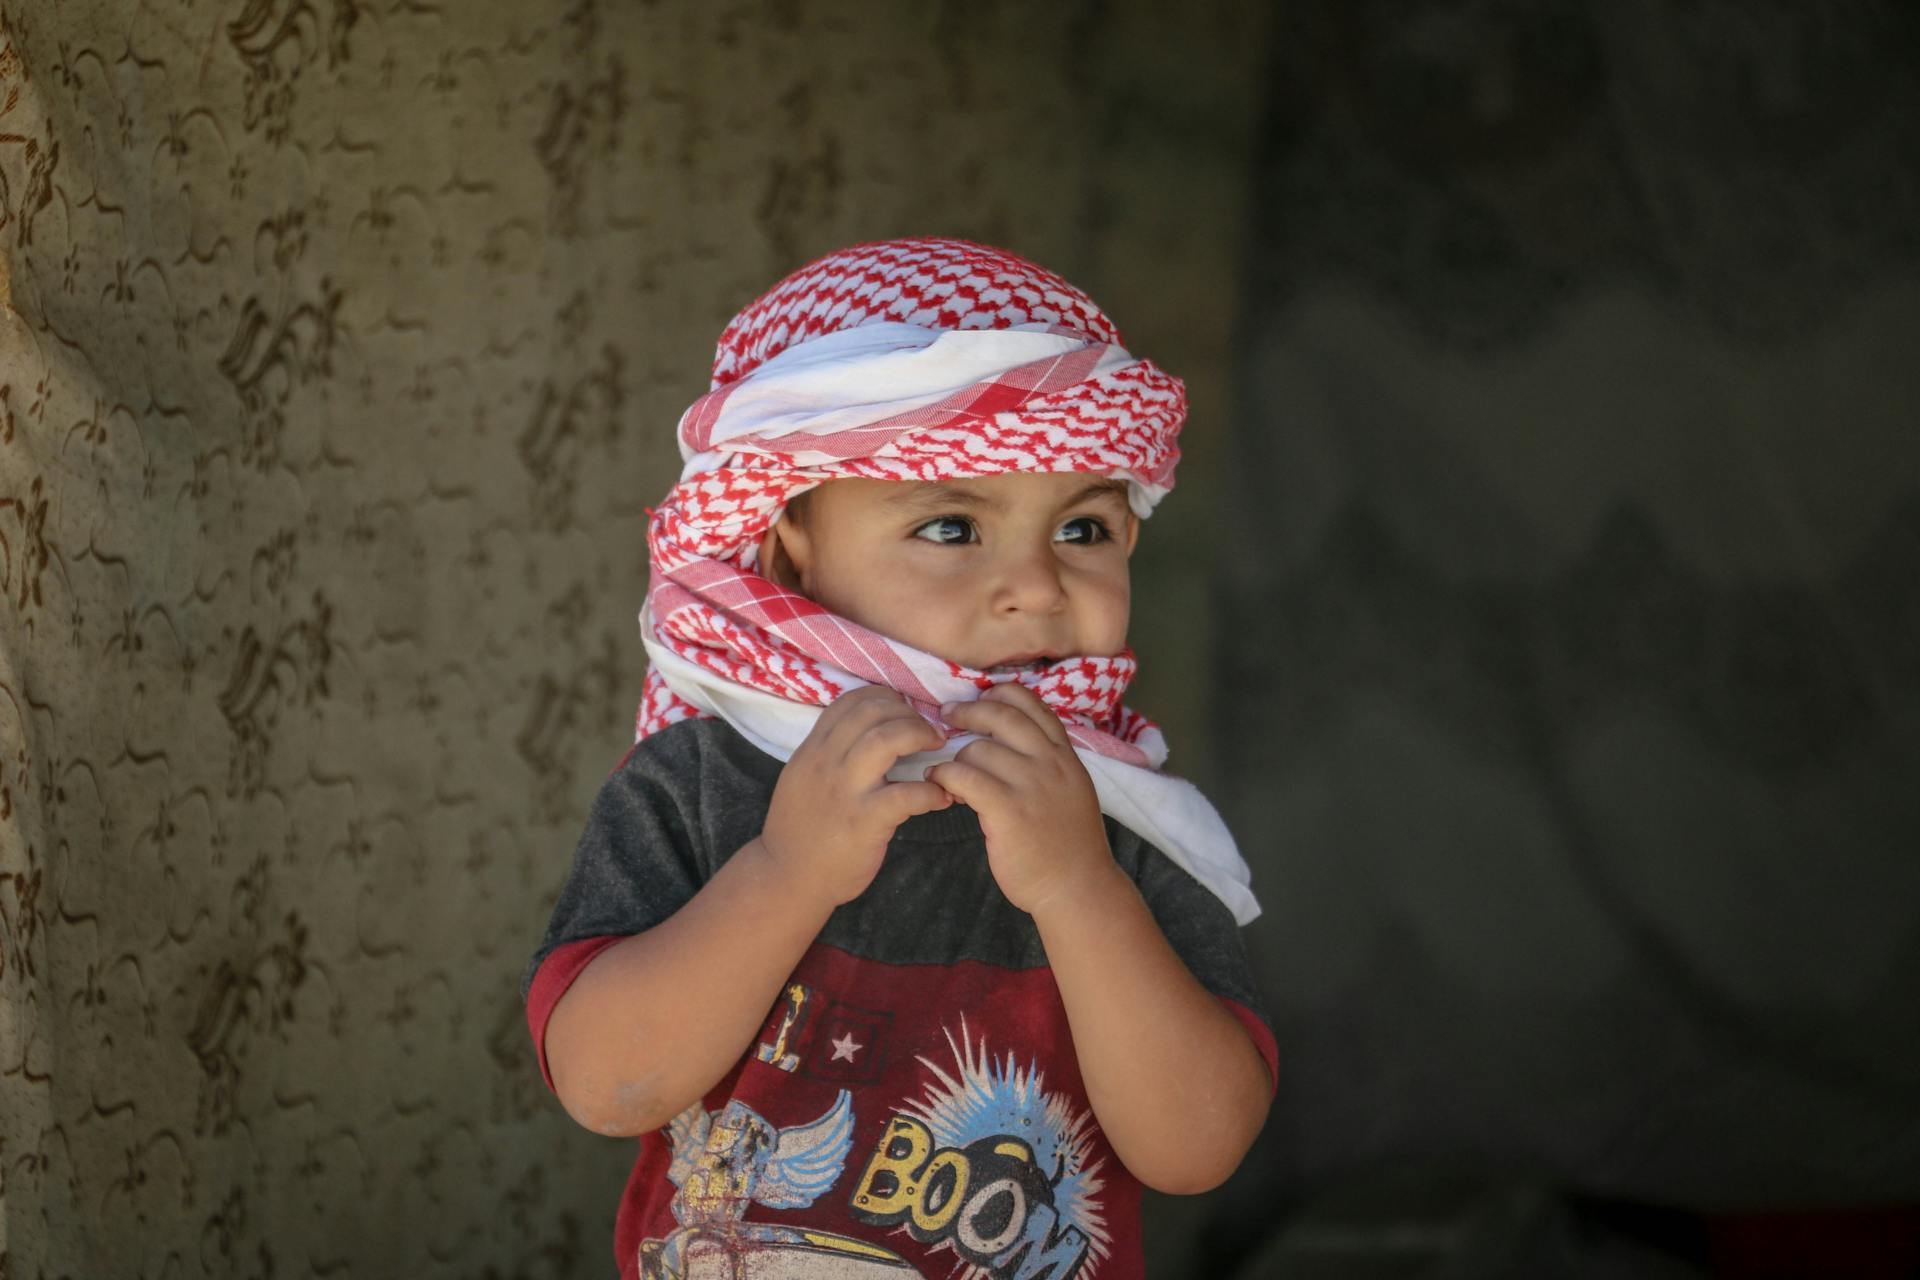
(1036, 803)
(833, 811)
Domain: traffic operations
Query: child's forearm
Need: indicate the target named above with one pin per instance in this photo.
(1173, 1078)
(656, 1019)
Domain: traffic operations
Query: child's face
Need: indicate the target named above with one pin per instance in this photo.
(995, 571)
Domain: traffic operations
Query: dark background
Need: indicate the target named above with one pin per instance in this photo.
(1569, 669)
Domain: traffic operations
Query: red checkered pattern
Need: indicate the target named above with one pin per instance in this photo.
(934, 283)
(706, 603)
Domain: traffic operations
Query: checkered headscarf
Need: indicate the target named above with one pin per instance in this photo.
(1036, 381)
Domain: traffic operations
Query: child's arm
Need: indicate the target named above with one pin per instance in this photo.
(1176, 1082)
(657, 1018)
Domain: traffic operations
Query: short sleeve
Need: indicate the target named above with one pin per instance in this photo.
(637, 862)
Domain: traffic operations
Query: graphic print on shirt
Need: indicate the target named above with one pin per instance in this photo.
(726, 1160)
(794, 1010)
(990, 1166)
(823, 1038)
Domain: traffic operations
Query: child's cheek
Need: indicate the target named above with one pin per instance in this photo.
(1108, 600)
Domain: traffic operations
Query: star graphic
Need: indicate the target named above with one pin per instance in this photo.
(845, 1047)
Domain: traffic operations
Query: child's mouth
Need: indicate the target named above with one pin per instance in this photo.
(1021, 666)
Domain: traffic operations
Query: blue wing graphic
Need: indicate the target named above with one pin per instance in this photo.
(808, 1158)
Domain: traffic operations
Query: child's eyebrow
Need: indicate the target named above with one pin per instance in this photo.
(936, 494)
(1099, 489)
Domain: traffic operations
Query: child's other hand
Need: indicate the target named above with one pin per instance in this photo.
(833, 810)
(1037, 806)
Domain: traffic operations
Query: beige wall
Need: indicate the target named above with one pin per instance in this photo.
(340, 352)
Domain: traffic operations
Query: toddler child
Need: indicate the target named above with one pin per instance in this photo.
(888, 937)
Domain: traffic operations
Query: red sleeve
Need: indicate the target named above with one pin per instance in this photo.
(556, 973)
(1262, 1038)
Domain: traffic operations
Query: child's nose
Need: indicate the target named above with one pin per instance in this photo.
(1030, 582)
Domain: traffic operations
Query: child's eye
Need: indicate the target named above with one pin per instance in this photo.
(1085, 529)
(947, 529)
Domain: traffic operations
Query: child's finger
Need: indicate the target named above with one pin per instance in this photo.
(882, 743)
(1005, 723)
(969, 783)
(902, 800)
(1026, 700)
(996, 758)
(852, 714)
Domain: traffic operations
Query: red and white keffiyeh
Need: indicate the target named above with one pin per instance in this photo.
(920, 359)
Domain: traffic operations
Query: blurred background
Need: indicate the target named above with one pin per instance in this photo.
(1540, 599)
